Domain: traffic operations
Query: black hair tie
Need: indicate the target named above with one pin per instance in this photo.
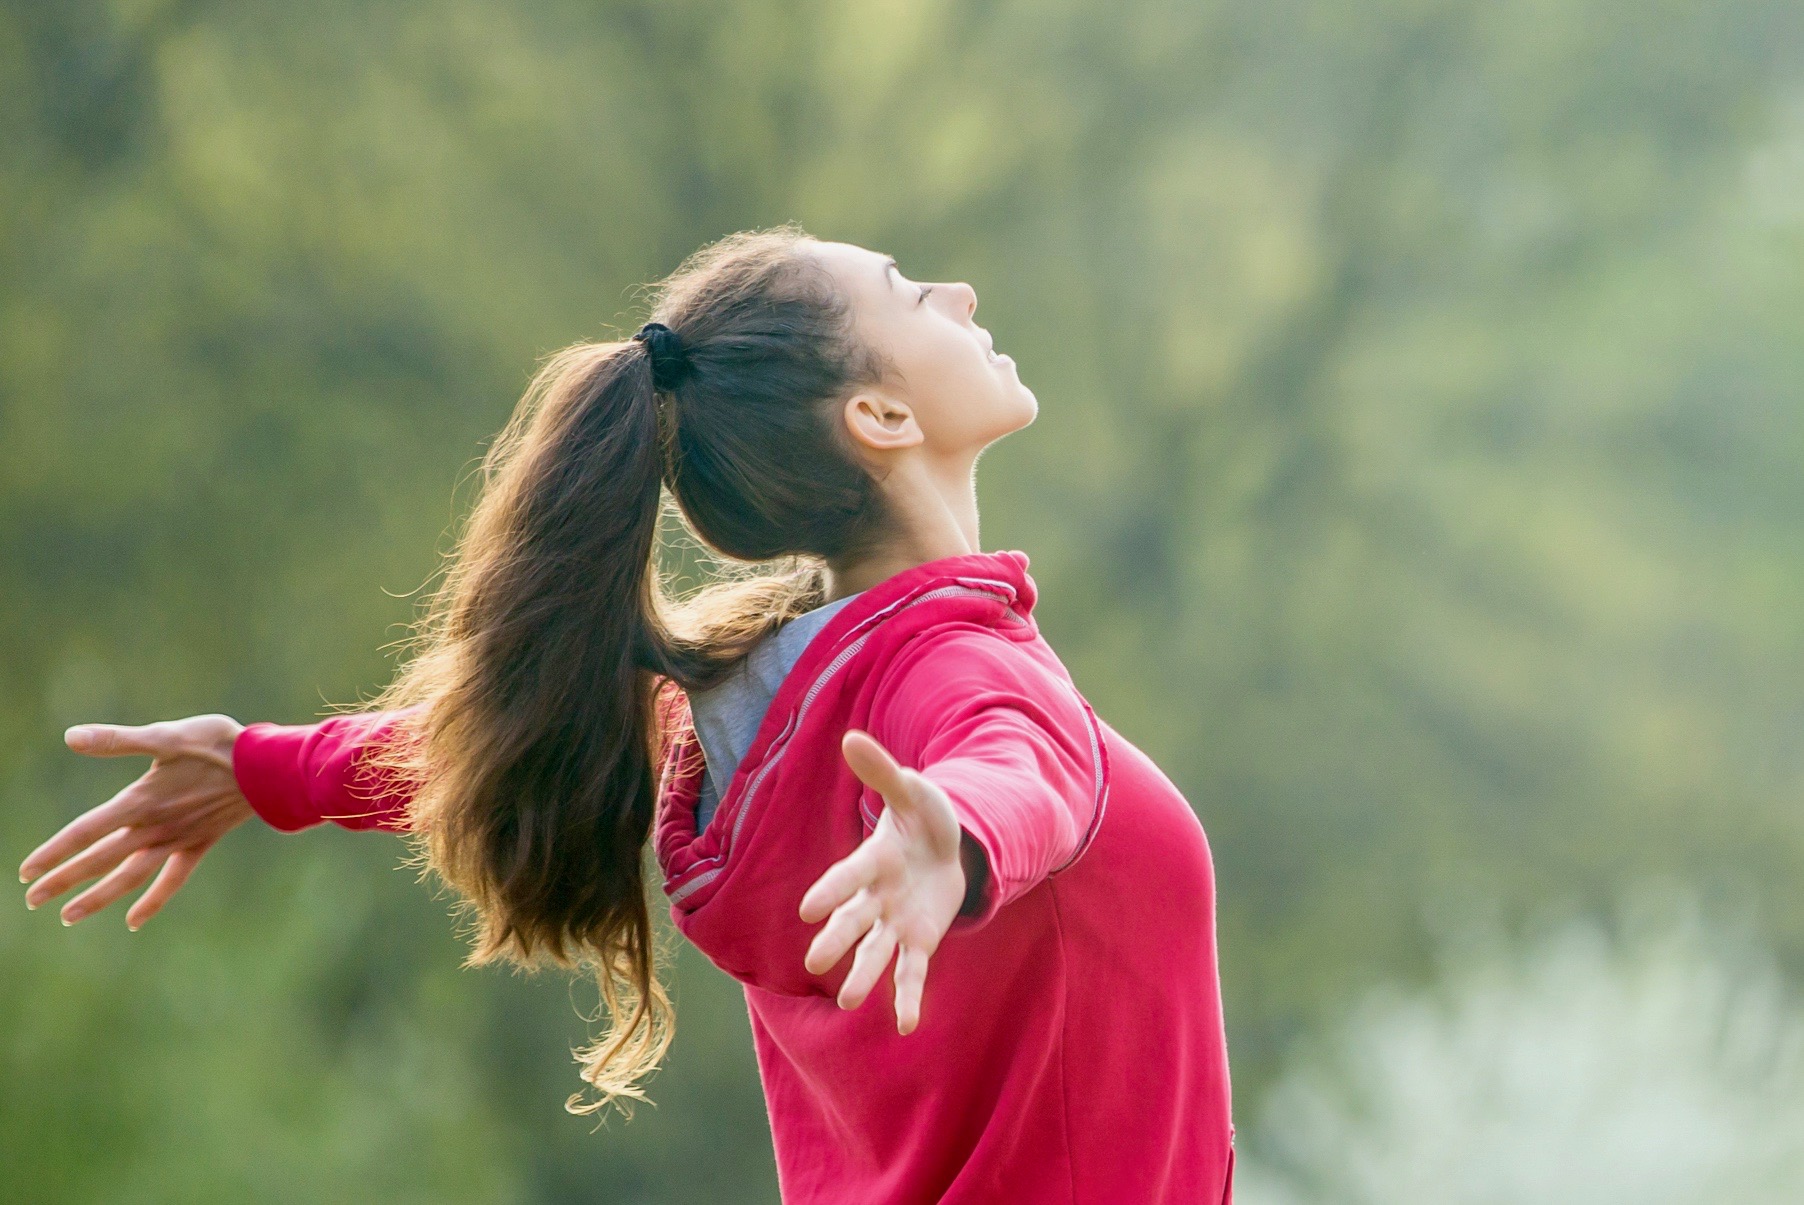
(669, 357)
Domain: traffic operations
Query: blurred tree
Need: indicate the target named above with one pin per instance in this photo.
(1660, 1062)
(1416, 481)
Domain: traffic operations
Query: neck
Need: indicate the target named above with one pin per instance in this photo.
(936, 513)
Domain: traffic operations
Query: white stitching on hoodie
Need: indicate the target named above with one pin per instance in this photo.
(780, 743)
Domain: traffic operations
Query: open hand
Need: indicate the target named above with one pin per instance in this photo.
(897, 893)
(171, 815)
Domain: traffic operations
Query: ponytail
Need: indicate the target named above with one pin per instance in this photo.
(532, 730)
(533, 754)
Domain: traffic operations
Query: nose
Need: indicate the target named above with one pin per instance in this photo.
(964, 295)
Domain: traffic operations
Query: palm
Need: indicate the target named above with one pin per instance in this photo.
(170, 816)
(897, 893)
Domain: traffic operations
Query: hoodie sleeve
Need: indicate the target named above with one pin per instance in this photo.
(1007, 736)
(299, 775)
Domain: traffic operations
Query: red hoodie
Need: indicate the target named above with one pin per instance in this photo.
(1071, 1046)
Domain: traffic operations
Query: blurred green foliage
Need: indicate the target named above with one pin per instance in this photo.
(1658, 1059)
(1417, 481)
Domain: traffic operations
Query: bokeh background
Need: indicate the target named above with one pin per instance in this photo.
(1417, 480)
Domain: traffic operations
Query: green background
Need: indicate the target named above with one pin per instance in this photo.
(1417, 480)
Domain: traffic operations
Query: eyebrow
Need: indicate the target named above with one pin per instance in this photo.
(888, 265)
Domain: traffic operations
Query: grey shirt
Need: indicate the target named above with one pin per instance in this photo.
(727, 716)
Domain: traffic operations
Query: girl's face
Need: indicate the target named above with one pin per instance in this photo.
(948, 391)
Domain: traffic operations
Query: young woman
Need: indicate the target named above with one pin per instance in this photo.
(862, 762)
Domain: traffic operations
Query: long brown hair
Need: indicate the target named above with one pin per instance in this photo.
(531, 732)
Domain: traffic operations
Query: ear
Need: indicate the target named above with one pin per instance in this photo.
(880, 423)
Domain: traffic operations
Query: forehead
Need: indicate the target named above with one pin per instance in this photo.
(858, 270)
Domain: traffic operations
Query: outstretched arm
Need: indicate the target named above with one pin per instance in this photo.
(208, 774)
(1009, 787)
(300, 775)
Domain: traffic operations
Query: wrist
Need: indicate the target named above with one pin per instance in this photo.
(226, 744)
(212, 738)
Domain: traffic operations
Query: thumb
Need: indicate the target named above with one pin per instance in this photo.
(119, 740)
(875, 767)
(919, 804)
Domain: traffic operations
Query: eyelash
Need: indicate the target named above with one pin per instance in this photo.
(924, 294)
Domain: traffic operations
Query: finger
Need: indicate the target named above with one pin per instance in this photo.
(841, 881)
(906, 792)
(96, 860)
(127, 876)
(841, 932)
(121, 740)
(83, 831)
(873, 763)
(175, 872)
(867, 966)
(911, 980)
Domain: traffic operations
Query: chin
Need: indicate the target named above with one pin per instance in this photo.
(1030, 405)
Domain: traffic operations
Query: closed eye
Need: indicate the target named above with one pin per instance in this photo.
(924, 292)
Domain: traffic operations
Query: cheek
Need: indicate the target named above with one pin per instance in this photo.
(940, 372)
(963, 398)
